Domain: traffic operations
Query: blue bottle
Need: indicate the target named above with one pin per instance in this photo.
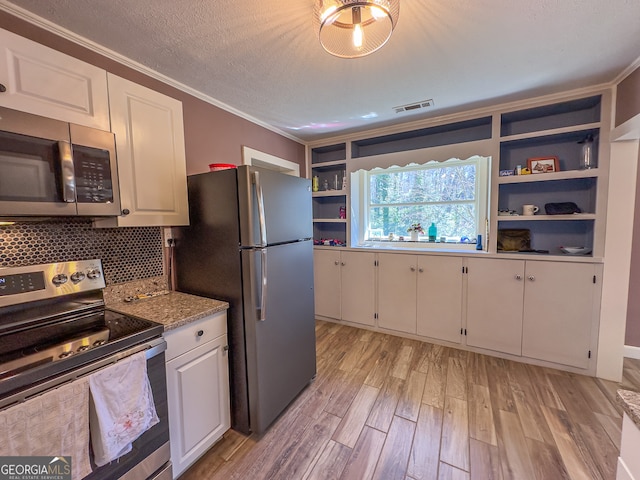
(479, 243)
(433, 232)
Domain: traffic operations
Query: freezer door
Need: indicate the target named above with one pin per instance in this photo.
(279, 327)
(274, 207)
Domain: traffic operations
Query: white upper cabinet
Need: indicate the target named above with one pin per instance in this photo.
(151, 156)
(45, 82)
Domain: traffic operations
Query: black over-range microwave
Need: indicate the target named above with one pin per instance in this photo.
(49, 167)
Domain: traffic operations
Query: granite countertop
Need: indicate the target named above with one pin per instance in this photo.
(630, 402)
(149, 299)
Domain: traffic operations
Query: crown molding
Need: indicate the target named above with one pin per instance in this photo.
(465, 115)
(397, 128)
(117, 57)
(627, 71)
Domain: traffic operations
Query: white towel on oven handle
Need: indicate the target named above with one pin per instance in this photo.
(121, 409)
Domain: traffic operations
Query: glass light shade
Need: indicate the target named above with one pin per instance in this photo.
(355, 28)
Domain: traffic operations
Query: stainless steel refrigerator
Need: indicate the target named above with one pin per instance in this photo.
(250, 243)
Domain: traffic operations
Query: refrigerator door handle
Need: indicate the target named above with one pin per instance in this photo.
(263, 286)
(261, 214)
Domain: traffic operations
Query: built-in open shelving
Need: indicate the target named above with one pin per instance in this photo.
(328, 167)
(554, 130)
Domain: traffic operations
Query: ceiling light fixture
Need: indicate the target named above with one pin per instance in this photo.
(355, 28)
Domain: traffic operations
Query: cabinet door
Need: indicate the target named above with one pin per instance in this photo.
(495, 290)
(559, 312)
(198, 395)
(151, 157)
(397, 292)
(439, 307)
(326, 282)
(45, 82)
(358, 287)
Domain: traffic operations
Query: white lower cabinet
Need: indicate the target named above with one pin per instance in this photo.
(344, 284)
(357, 279)
(326, 283)
(537, 309)
(198, 388)
(495, 291)
(559, 305)
(439, 303)
(397, 292)
(421, 294)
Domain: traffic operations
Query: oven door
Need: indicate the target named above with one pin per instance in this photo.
(150, 452)
(150, 455)
(36, 167)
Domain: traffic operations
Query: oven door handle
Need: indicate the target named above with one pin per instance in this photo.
(151, 348)
(155, 347)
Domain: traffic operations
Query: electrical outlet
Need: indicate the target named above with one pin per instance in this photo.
(168, 235)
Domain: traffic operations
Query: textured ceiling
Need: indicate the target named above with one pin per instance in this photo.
(266, 61)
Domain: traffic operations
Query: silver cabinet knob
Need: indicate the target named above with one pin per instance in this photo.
(518, 276)
(421, 269)
(531, 277)
(343, 264)
(413, 269)
(336, 262)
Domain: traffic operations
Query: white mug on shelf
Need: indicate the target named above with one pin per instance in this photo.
(529, 209)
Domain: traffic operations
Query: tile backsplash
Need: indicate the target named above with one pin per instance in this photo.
(127, 254)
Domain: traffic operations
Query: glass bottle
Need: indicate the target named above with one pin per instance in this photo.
(433, 232)
(587, 158)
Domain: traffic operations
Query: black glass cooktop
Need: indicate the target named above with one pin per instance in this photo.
(51, 348)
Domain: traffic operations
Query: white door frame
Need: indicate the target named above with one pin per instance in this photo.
(265, 160)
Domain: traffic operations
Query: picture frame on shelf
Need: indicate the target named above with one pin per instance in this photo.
(543, 164)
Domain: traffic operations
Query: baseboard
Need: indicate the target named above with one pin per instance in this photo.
(632, 352)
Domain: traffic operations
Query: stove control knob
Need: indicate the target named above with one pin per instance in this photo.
(77, 277)
(93, 274)
(82, 348)
(97, 343)
(65, 354)
(59, 279)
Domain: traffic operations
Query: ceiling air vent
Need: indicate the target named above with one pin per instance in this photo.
(414, 106)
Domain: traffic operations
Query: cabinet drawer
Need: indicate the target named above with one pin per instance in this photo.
(194, 334)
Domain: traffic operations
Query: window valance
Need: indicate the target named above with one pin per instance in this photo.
(483, 148)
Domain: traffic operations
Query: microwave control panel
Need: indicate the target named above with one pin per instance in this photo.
(93, 175)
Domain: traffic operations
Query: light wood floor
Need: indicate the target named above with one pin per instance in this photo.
(384, 407)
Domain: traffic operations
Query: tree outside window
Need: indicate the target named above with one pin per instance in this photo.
(446, 194)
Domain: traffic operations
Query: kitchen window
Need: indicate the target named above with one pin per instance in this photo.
(452, 195)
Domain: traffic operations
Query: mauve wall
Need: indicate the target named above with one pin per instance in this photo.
(628, 97)
(628, 106)
(632, 333)
(212, 135)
